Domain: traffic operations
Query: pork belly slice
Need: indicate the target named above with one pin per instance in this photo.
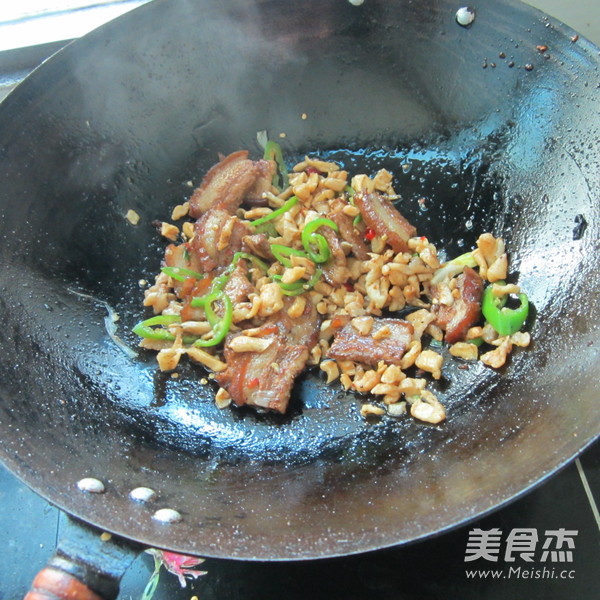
(258, 244)
(348, 232)
(265, 379)
(238, 286)
(335, 271)
(265, 170)
(392, 337)
(465, 312)
(178, 255)
(226, 184)
(209, 232)
(383, 217)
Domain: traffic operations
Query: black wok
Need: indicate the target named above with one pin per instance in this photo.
(494, 133)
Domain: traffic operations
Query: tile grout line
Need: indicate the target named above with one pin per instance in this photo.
(588, 492)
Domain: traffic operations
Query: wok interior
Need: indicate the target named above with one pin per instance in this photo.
(115, 123)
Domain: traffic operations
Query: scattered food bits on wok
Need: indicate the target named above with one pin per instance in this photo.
(276, 271)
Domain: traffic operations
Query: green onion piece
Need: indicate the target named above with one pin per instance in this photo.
(310, 239)
(276, 213)
(181, 274)
(477, 341)
(273, 152)
(357, 220)
(505, 321)
(282, 254)
(145, 328)
(221, 326)
(350, 191)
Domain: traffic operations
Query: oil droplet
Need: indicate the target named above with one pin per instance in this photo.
(465, 16)
(91, 485)
(167, 515)
(142, 494)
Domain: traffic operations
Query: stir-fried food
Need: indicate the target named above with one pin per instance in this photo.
(273, 272)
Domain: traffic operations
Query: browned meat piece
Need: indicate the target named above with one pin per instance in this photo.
(226, 184)
(335, 271)
(349, 344)
(348, 232)
(384, 218)
(179, 256)
(265, 379)
(209, 230)
(238, 287)
(265, 170)
(258, 245)
(455, 320)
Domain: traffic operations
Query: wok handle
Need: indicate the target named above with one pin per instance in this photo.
(54, 584)
(85, 566)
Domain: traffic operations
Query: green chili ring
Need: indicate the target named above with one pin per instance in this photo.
(287, 205)
(145, 328)
(282, 254)
(273, 152)
(505, 321)
(220, 325)
(299, 287)
(180, 273)
(310, 239)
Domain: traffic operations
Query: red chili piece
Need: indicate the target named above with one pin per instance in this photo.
(310, 170)
(369, 234)
(252, 383)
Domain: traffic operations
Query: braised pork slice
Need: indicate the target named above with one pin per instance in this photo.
(265, 170)
(348, 232)
(261, 369)
(387, 340)
(335, 271)
(217, 237)
(383, 217)
(228, 182)
(258, 244)
(238, 286)
(465, 311)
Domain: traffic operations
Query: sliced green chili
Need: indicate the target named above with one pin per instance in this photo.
(181, 274)
(220, 325)
(310, 239)
(505, 321)
(289, 203)
(273, 152)
(299, 287)
(268, 228)
(146, 329)
(282, 254)
(253, 259)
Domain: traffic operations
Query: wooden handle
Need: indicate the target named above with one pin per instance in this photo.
(53, 584)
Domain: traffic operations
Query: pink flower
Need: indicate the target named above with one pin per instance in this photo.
(179, 564)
